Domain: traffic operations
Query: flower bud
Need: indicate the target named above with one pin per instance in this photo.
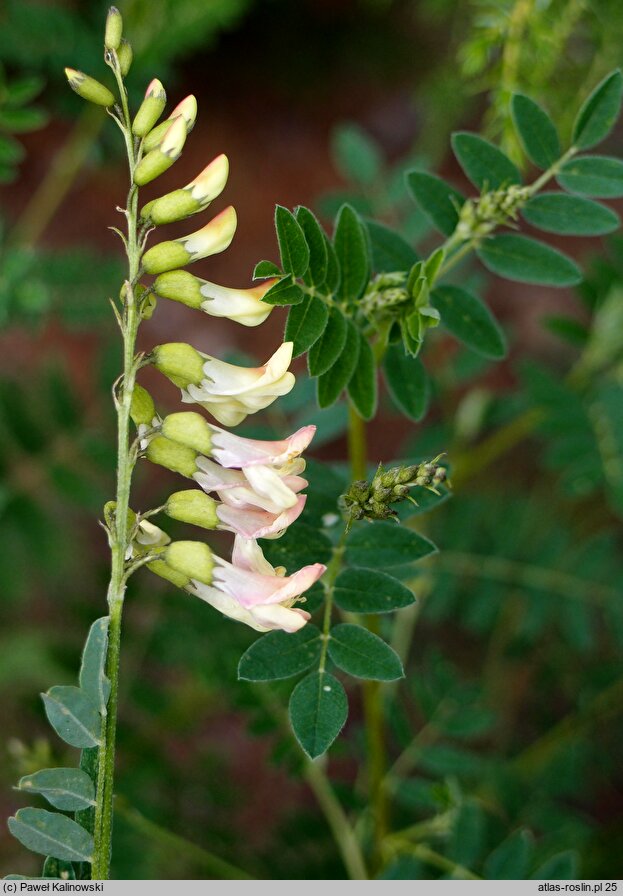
(215, 237)
(187, 110)
(193, 198)
(192, 559)
(142, 409)
(124, 57)
(178, 458)
(89, 89)
(193, 506)
(159, 160)
(180, 286)
(150, 109)
(114, 29)
(179, 362)
(190, 429)
(162, 569)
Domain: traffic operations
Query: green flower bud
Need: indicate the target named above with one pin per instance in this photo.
(180, 286)
(173, 456)
(179, 362)
(194, 197)
(162, 569)
(190, 429)
(142, 409)
(114, 29)
(193, 506)
(150, 109)
(124, 56)
(160, 160)
(212, 238)
(165, 256)
(192, 559)
(89, 89)
(187, 109)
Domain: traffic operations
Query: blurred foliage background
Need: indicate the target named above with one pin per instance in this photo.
(510, 719)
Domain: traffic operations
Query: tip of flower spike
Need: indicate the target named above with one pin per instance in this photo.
(174, 139)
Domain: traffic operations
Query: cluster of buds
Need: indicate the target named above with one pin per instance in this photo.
(479, 217)
(374, 500)
(384, 292)
(251, 488)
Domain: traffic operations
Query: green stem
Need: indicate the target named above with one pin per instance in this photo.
(430, 857)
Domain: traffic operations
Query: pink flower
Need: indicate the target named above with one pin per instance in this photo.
(252, 591)
(235, 451)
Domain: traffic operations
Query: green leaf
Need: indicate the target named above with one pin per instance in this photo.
(318, 710)
(21, 121)
(571, 215)
(326, 350)
(599, 112)
(315, 239)
(360, 653)
(351, 249)
(58, 869)
(306, 323)
(600, 176)
(74, 716)
(332, 279)
(362, 387)
(370, 591)
(356, 156)
(93, 680)
(510, 860)
(280, 655)
(336, 379)
(438, 200)
(390, 250)
(52, 834)
(24, 90)
(292, 244)
(301, 545)
(285, 292)
(562, 866)
(264, 270)
(386, 544)
(69, 789)
(469, 319)
(537, 132)
(407, 382)
(485, 165)
(520, 258)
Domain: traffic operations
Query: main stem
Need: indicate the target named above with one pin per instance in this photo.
(119, 535)
(372, 702)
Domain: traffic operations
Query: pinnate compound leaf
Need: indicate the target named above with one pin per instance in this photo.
(52, 834)
(284, 292)
(93, 679)
(511, 859)
(526, 260)
(361, 653)
(336, 379)
(438, 200)
(73, 715)
(69, 789)
(293, 246)
(537, 132)
(484, 164)
(571, 215)
(599, 112)
(329, 346)
(407, 382)
(600, 176)
(386, 544)
(469, 319)
(390, 251)
(280, 655)
(315, 238)
(306, 323)
(351, 249)
(318, 710)
(360, 590)
(362, 387)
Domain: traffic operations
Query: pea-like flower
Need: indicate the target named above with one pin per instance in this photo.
(244, 306)
(252, 591)
(235, 451)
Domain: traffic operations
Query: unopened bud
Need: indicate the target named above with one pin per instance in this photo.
(173, 456)
(142, 409)
(125, 56)
(215, 237)
(187, 110)
(188, 428)
(89, 89)
(193, 506)
(193, 198)
(192, 559)
(114, 29)
(150, 109)
(162, 569)
(180, 363)
(180, 286)
(160, 160)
